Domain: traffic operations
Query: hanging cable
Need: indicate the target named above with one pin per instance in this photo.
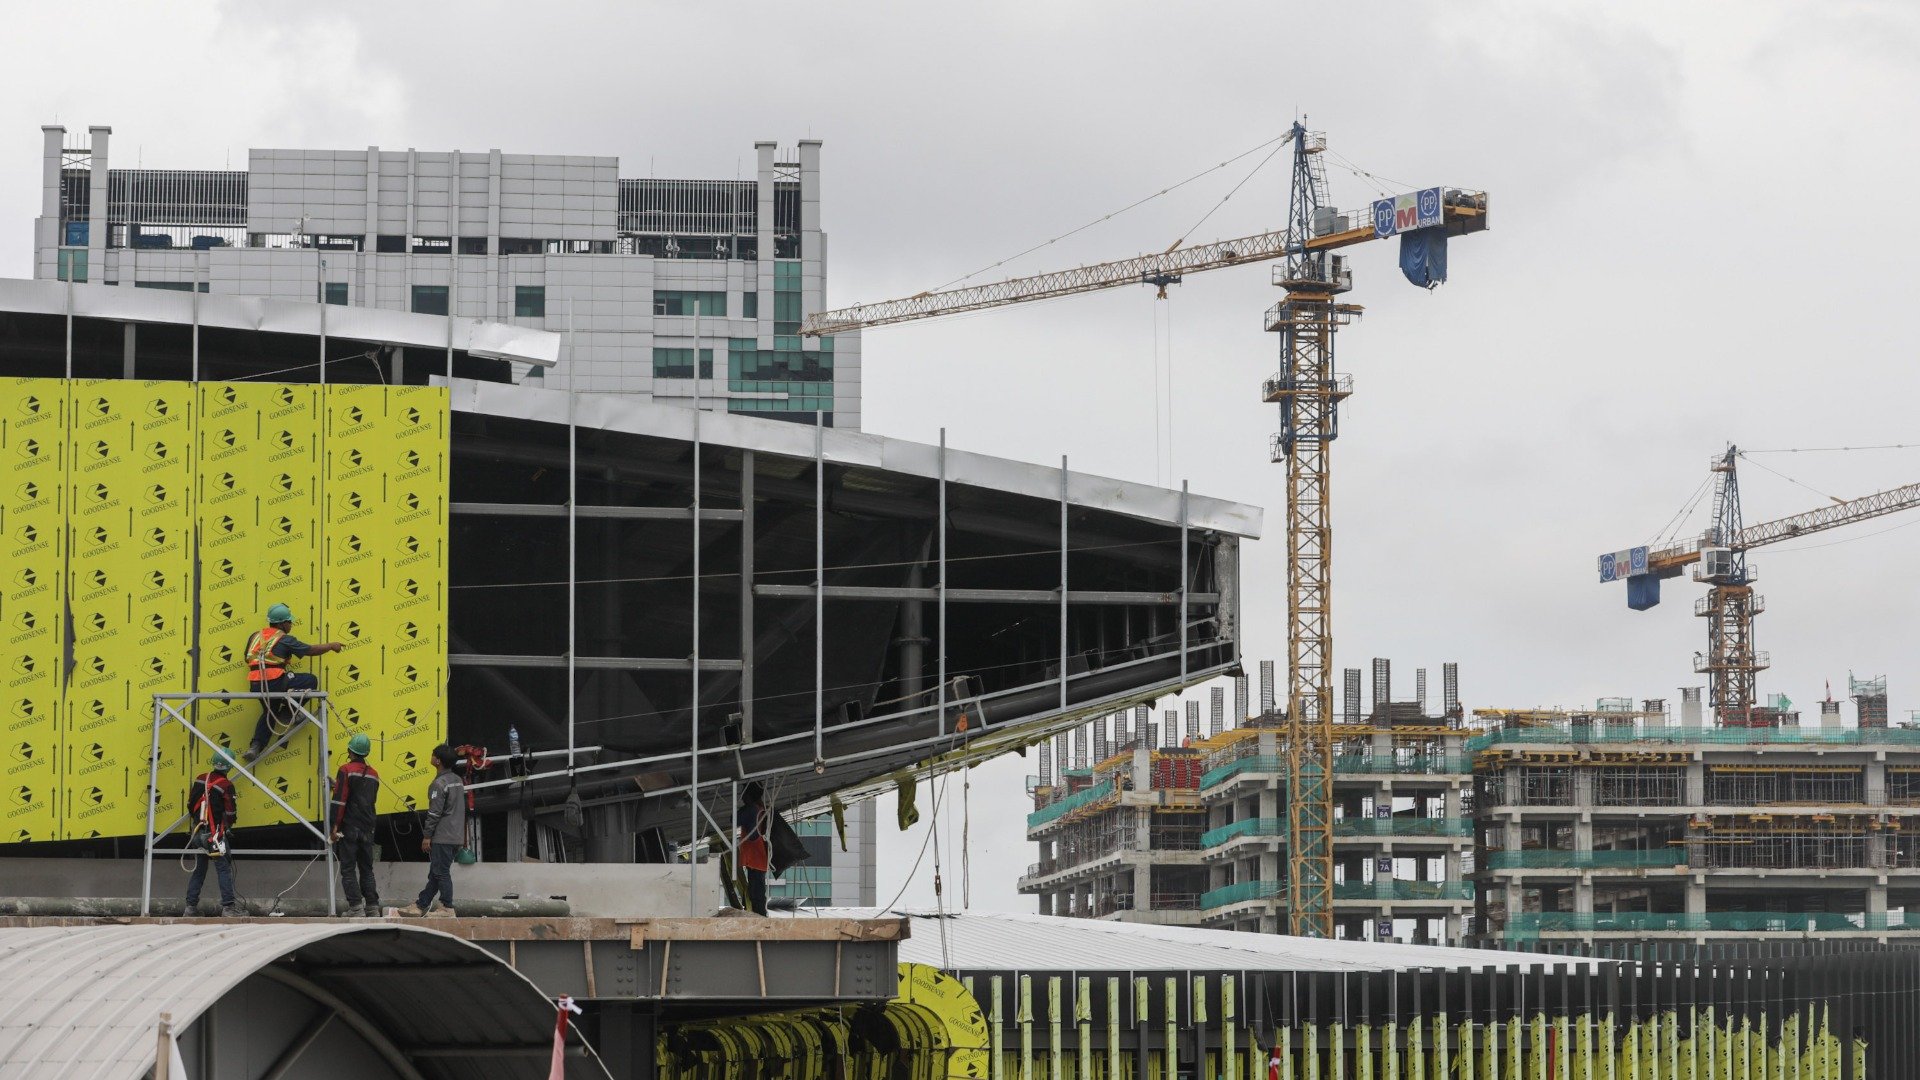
(1223, 199)
(1832, 449)
(966, 839)
(1110, 216)
(889, 905)
(1686, 507)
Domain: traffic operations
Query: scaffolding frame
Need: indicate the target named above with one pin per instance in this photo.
(165, 713)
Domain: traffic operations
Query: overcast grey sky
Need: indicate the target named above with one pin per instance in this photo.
(1701, 233)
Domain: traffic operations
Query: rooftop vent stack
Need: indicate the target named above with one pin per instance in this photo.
(1690, 706)
(1266, 688)
(1218, 722)
(1240, 713)
(1829, 714)
(1450, 689)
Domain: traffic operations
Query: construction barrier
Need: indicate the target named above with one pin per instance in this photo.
(147, 527)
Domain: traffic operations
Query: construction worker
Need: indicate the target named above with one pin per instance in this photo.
(355, 787)
(269, 653)
(443, 834)
(751, 820)
(211, 804)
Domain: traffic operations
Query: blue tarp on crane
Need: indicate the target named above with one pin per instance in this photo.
(1423, 256)
(1643, 591)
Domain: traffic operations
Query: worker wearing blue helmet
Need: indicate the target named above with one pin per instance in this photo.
(270, 653)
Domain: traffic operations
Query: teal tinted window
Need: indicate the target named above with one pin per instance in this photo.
(429, 300)
(336, 293)
(73, 264)
(678, 363)
(750, 305)
(684, 302)
(529, 301)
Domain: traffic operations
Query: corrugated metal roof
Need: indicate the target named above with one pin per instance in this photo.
(85, 1001)
(981, 941)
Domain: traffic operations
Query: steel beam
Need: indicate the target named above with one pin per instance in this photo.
(559, 510)
(604, 663)
(983, 596)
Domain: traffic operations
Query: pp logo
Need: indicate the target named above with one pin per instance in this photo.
(158, 407)
(158, 451)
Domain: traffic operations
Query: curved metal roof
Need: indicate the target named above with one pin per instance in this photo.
(86, 1001)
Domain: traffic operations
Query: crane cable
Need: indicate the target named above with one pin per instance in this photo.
(1116, 213)
(1830, 449)
(1791, 480)
(1223, 199)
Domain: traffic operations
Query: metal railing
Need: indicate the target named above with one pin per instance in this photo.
(1597, 733)
(1584, 860)
(1404, 826)
(1071, 803)
(1756, 922)
(1253, 763)
(1240, 893)
(1243, 827)
(1403, 890)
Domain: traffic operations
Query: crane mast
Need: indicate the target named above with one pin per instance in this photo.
(1309, 390)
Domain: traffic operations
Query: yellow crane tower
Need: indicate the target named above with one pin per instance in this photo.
(1308, 390)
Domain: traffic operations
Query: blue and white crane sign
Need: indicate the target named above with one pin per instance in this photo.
(1621, 565)
(1405, 213)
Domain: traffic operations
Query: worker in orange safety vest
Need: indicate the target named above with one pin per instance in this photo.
(270, 651)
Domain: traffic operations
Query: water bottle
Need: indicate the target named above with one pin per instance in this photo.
(513, 740)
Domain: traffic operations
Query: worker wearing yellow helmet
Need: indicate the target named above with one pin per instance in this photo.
(271, 651)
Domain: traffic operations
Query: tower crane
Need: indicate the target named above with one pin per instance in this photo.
(1308, 390)
(1719, 556)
